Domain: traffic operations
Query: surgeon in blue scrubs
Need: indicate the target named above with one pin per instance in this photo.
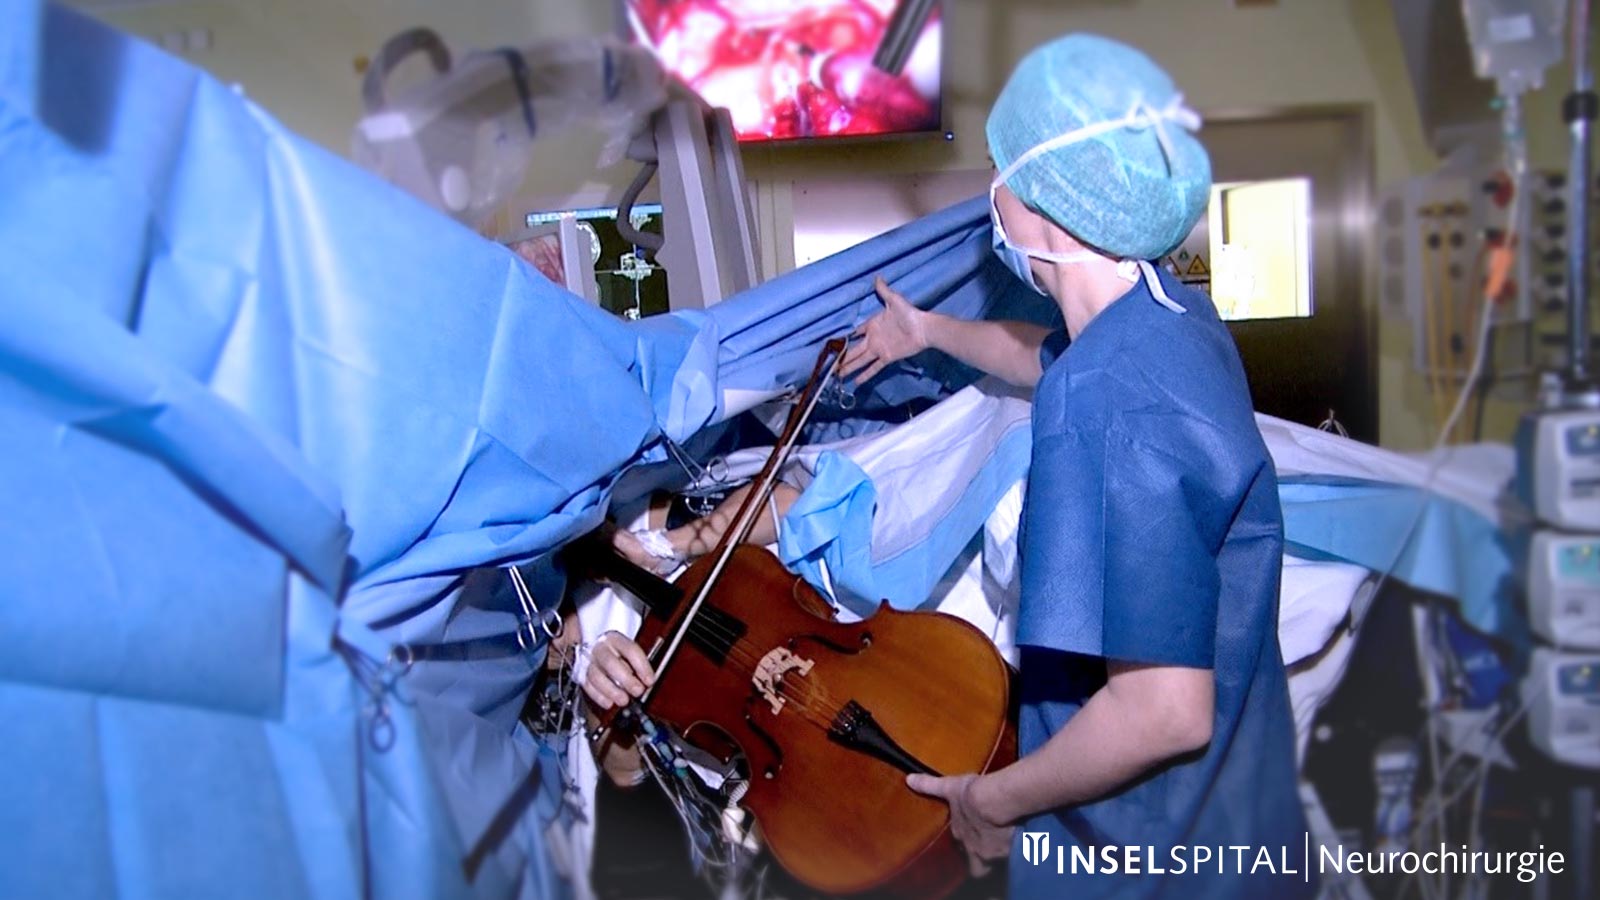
(1155, 712)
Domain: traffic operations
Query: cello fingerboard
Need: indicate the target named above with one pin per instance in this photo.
(714, 632)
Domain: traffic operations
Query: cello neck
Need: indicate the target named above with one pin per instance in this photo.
(595, 556)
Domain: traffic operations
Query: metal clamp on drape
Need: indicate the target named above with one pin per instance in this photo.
(535, 627)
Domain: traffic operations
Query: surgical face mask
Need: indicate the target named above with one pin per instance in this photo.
(1017, 258)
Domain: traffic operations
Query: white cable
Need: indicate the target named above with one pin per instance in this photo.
(1484, 760)
(1438, 459)
(1436, 810)
(1436, 806)
(1479, 776)
(680, 805)
(1435, 777)
(1476, 821)
(772, 509)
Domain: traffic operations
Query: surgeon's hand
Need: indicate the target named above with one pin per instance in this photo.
(618, 671)
(890, 336)
(982, 838)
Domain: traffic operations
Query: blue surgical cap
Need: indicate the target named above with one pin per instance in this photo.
(1132, 192)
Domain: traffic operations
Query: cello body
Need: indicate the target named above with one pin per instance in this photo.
(829, 717)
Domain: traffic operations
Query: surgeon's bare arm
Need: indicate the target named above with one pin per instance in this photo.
(1143, 717)
(1007, 350)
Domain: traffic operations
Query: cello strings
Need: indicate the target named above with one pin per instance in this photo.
(813, 701)
(814, 697)
(734, 641)
(726, 639)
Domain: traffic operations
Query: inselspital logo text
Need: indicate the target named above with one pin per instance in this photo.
(1286, 861)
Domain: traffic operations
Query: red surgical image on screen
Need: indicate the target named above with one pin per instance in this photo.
(792, 69)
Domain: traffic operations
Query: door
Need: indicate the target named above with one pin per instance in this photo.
(1306, 352)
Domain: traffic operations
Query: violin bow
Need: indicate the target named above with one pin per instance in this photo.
(829, 363)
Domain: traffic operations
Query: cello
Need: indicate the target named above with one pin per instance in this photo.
(827, 717)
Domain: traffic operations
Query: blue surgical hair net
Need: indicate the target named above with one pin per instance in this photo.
(1131, 192)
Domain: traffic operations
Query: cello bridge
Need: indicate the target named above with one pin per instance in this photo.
(770, 671)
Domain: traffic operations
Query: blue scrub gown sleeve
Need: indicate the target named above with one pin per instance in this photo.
(1123, 529)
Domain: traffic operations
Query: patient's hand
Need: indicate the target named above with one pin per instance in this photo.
(627, 544)
(618, 671)
(651, 551)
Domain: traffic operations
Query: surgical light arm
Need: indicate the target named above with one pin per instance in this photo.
(460, 140)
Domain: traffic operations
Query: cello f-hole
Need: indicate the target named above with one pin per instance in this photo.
(772, 746)
(829, 644)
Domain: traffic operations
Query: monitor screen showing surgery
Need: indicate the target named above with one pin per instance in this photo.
(798, 69)
(1251, 251)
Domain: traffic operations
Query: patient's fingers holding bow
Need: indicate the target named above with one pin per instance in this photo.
(619, 670)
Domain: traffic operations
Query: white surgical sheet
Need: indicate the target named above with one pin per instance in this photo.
(1474, 475)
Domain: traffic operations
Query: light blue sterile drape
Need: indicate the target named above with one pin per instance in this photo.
(831, 526)
(1425, 540)
(259, 415)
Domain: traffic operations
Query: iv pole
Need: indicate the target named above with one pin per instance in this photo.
(1579, 111)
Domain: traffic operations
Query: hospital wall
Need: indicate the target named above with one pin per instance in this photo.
(298, 59)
